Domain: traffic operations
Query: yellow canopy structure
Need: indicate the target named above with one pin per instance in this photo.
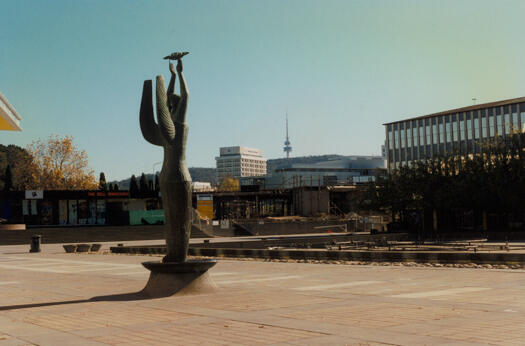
(9, 118)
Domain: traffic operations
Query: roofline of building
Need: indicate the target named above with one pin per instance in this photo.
(464, 109)
(229, 156)
(10, 107)
(324, 169)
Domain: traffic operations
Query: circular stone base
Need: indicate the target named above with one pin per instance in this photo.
(183, 278)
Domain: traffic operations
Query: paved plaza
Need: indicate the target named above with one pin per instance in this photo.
(53, 298)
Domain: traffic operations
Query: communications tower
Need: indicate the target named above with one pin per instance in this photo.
(287, 148)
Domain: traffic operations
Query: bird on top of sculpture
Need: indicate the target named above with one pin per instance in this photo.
(171, 131)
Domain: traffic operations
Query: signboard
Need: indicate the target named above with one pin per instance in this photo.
(205, 206)
(34, 194)
(108, 194)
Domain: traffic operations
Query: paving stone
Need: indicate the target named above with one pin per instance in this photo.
(45, 299)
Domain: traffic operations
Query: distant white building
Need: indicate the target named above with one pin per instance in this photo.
(348, 170)
(237, 162)
(199, 186)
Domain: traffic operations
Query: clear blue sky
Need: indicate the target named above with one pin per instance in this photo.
(340, 68)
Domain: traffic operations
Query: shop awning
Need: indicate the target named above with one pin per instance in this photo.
(9, 118)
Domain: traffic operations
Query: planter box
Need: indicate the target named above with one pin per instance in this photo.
(95, 247)
(70, 248)
(83, 247)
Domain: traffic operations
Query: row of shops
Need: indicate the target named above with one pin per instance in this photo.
(118, 208)
(71, 207)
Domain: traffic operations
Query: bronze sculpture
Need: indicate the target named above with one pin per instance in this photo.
(171, 133)
(175, 274)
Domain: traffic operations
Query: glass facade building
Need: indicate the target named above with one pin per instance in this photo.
(461, 131)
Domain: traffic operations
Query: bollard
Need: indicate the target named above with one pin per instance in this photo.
(35, 243)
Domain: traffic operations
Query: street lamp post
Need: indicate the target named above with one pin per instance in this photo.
(155, 164)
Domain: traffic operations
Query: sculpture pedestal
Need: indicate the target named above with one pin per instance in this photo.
(178, 278)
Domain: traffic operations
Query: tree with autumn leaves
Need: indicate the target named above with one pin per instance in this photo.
(58, 165)
(229, 184)
(15, 164)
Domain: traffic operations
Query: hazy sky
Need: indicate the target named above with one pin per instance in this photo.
(340, 68)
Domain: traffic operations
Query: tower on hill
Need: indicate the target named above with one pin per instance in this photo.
(287, 147)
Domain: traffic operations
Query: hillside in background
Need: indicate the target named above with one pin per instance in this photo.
(197, 174)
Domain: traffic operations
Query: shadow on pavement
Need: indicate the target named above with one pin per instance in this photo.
(109, 298)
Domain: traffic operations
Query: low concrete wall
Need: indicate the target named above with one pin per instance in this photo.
(13, 227)
(88, 234)
(368, 256)
(293, 227)
(359, 256)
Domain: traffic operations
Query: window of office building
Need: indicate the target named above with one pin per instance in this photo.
(448, 133)
(396, 139)
(492, 123)
(441, 131)
(409, 140)
(476, 125)
(390, 137)
(499, 122)
(402, 134)
(427, 135)
(422, 132)
(421, 139)
(522, 115)
(427, 131)
(434, 133)
(414, 133)
(448, 126)
(461, 127)
(506, 119)
(468, 119)
(515, 122)
(484, 129)
(455, 132)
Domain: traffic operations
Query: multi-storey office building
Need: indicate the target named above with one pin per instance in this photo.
(236, 162)
(461, 131)
(349, 170)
